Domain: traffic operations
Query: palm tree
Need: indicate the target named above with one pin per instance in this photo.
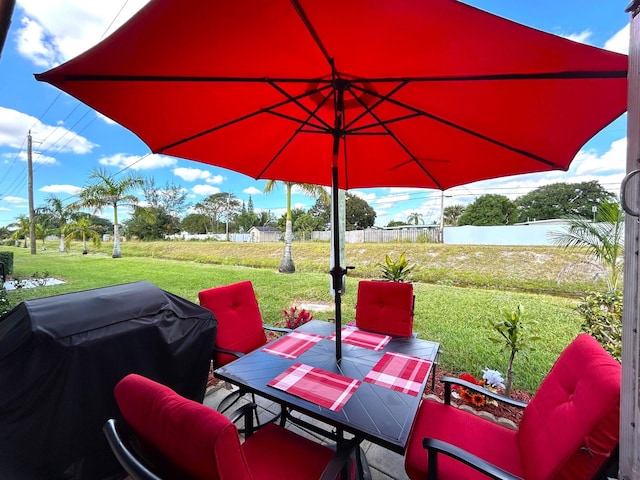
(104, 190)
(23, 225)
(452, 214)
(415, 218)
(82, 228)
(286, 264)
(603, 239)
(60, 214)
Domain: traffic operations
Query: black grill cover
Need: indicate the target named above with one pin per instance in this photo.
(60, 358)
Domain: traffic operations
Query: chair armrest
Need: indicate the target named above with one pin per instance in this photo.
(234, 353)
(434, 447)
(340, 459)
(277, 329)
(125, 455)
(448, 381)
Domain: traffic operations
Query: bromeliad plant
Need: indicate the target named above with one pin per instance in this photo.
(396, 271)
(515, 335)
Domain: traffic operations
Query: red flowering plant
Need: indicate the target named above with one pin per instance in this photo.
(293, 319)
(491, 380)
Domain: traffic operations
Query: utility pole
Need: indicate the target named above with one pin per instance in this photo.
(32, 213)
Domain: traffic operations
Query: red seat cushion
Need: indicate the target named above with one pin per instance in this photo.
(239, 320)
(488, 440)
(193, 438)
(571, 425)
(298, 457)
(385, 307)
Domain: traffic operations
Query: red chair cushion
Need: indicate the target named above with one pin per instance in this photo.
(488, 440)
(239, 319)
(385, 307)
(200, 442)
(576, 406)
(298, 457)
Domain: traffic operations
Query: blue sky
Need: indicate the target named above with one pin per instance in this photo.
(70, 139)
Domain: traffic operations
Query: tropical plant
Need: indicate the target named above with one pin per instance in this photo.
(603, 239)
(5, 305)
(22, 229)
(415, 218)
(396, 271)
(286, 264)
(515, 335)
(103, 190)
(59, 214)
(82, 228)
(451, 214)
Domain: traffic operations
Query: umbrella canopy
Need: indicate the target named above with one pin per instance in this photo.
(414, 93)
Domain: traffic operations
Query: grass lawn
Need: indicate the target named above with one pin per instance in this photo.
(454, 316)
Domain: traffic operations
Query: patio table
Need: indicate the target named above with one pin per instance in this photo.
(376, 411)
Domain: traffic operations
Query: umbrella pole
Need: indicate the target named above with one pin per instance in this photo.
(337, 272)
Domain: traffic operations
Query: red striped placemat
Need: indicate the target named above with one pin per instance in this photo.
(323, 388)
(293, 344)
(360, 338)
(404, 373)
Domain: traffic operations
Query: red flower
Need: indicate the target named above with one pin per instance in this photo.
(469, 378)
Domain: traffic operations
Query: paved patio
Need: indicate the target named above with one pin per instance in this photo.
(384, 464)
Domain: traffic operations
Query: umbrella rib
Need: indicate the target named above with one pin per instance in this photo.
(296, 100)
(318, 128)
(380, 100)
(286, 144)
(400, 144)
(473, 133)
(237, 120)
(312, 31)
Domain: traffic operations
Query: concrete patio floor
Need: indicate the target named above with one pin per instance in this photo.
(383, 464)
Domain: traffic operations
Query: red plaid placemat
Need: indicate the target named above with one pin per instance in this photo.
(404, 373)
(323, 388)
(293, 344)
(360, 338)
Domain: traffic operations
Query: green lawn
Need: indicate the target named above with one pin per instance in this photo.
(456, 317)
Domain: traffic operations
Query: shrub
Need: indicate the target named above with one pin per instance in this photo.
(7, 259)
(5, 306)
(602, 314)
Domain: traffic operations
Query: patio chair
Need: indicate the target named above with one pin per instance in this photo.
(240, 328)
(165, 436)
(387, 308)
(569, 430)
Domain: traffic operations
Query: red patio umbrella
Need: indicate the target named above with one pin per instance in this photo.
(415, 93)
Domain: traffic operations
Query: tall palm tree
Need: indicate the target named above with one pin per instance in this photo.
(286, 264)
(603, 239)
(82, 228)
(105, 190)
(60, 214)
(452, 214)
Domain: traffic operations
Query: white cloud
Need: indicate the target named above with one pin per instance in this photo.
(620, 41)
(46, 138)
(66, 189)
(366, 196)
(15, 200)
(137, 162)
(205, 190)
(3, 209)
(582, 37)
(106, 119)
(51, 32)
(252, 191)
(193, 174)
